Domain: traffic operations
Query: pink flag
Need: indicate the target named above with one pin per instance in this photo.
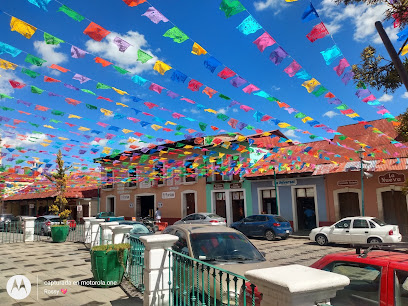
(226, 73)
(341, 66)
(369, 98)
(233, 123)
(318, 31)
(150, 105)
(194, 85)
(156, 88)
(293, 68)
(250, 88)
(263, 41)
(246, 108)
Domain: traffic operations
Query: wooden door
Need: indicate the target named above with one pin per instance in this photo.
(349, 204)
(189, 203)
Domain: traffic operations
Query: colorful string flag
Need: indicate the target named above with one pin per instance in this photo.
(198, 50)
(178, 76)
(31, 59)
(30, 73)
(77, 52)
(264, 41)
(347, 77)
(293, 68)
(102, 61)
(402, 35)
(121, 43)
(302, 74)
(42, 4)
(52, 40)
(134, 2)
(25, 29)
(121, 92)
(404, 50)
(209, 91)
(309, 14)
(330, 54)
(231, 7)
(226, 73)
(212, 63)
(120, 70)
(50, 80)
(318, 31)
(161, 67)
(16, 84)
(343, 64)
(36, 90)
(59, 68)
(6, 48)
(249, 25)
(278, 55)
(80, 78)
(139, 80)
(155, 87)
(176, 34)
(311, 85)
(238, 81)
(143, 56)
(96, 32)
(154, 15)
(250, 89)
(71, 13)
(6, 65)
(194, 85)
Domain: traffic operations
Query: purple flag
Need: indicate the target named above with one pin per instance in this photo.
(77, 53)
(362, 93)
(70, 86)
(53, 94)
(238, 81)
(154, 15)
(122, 44)
(278, 55)
(28, 104)
(172, 94)
(347, 77)
(81, 78)
(241, 125)
(335, 101)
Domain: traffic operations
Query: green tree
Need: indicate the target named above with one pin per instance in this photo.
(60, 178)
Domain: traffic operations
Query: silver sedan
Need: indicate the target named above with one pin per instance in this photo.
(202, 218)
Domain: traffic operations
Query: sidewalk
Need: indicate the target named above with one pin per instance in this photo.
(300, 235)
(62, 263)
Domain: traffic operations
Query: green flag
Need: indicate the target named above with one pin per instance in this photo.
(71, 13)
(342, 106)
(88, 91)
(6, 108)
(57, 113)
(91, 106)
(30, 73)
(231, 7)
(202, 125)
(120, 70)
(52, 40)
(143, 56)
(178, 133)
(176, 34)
(300, 115)
(224, 97)
(34, 124)
(149, 136)
(36, 90)
(34, 60)
(222, 117)
(55, 121)
(102, 86)
(321, 90)
(5, 96)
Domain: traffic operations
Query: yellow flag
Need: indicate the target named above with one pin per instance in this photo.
(209, 110)
(121, 92)
(306, 119)
(188, 147)
(25, 29)
(7, 65)
(283, 125)
(74, 116)
(311, 85)
(44, 144)
(169, 122)
(161, 67)
(106, 150)
(156, 127)
(127, 131)
(353, 115)
(266, 134)
(121, 104)
(198, 50)
(47, 140)
(241, 138)
(106, 112)
(62, 138)
(49, 126)
(404, 50)
(221, 154)
(81, 128)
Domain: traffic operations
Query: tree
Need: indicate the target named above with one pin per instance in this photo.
(374, 69)
(59, 178)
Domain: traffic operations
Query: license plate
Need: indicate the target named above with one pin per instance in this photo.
(287, 231)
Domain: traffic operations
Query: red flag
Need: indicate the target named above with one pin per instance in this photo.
(101, 61)
(96, 32)
(16, 84)
(53, 66)
(318, 31)
(134, 2)
(50, 80)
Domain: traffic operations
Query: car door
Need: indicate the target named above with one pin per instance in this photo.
(340, 232)
(260, 225)
(247, 226)
(398, 284)
(359, 231)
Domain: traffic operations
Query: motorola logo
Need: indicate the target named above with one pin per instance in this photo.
(18, 287)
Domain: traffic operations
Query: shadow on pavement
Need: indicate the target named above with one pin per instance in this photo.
(129, 301)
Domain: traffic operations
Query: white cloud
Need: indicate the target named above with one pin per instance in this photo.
(361, 16)
(405, 95)
(5, 87)
(330, 114)
(391, 32)
(29, 140)
(290, 134)
(136, 142)
(101, 142)
(385, 98)
(194, 111)
(275, 87)
(127, 60)
(276, 5)
(49, 53)
(222, 111)
(235, 110)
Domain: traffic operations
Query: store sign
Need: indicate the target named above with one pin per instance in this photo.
(125, 197)
(347, 183)
(79, 208)
(168, 195)
(235, 186)
(286, 182)
(218, 186)
(31, 205)
(391, 178)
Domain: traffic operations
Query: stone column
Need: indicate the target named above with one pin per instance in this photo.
(156, 272)
(296, 285)
(95, 231)
(106, 232)
(28, 232)
(119, 232)
(87, 228)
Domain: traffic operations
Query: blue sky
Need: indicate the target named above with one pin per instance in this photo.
(352, 29)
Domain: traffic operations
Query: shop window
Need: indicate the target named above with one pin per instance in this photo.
(268, 200)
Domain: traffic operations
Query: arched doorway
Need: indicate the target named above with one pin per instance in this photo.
(395, 211)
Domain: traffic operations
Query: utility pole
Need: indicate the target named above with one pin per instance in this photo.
(393, 54)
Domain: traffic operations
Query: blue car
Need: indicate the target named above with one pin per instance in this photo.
(268, 226)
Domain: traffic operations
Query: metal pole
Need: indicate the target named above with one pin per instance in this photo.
(393, 54)
(276, 191)
(362, 185)
(98, 201)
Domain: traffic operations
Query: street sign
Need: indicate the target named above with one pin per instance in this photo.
(79, 207)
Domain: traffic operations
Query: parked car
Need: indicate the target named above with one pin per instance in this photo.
(377, 278)
(220, 246)
(10, 223)
(356, 230)
(109, 216)
(42, 225)
(139, 229)
(202, 218)
(268, 226)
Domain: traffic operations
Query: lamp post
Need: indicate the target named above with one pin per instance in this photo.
(361, 155)
(276, 190)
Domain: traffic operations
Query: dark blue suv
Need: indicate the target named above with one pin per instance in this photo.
(268, 226)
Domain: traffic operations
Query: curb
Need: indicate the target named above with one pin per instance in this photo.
(299, 237)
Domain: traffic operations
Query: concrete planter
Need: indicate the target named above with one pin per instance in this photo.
(59, 233)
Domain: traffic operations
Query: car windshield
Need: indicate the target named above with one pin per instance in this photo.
(139, 229)
(379, 222)
(280, 219)
(55, 220)
(213, 216)
(223, 247)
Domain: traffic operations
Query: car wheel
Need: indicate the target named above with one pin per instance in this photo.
(270, 235)
(321, 240)
(374, 240)
(284, 237)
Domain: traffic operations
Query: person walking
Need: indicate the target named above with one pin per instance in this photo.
(157, 215)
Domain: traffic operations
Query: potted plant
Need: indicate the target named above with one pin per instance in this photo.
(108, 263)
(59, 232)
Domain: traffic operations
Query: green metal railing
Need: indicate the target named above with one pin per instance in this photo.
(11, 232)
(194, 282)
(135, 267)
(77, 234)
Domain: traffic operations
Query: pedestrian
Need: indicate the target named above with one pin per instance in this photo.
(310, 218)
(157, 215)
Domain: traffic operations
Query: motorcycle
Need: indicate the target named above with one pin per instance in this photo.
(149, 223)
